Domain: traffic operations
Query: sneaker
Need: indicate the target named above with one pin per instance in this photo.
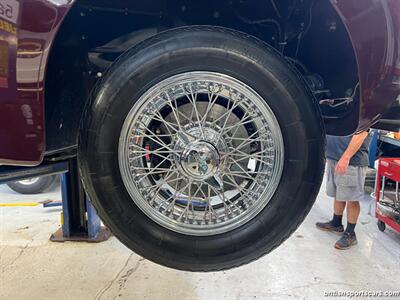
(329, 227)
(346, 241)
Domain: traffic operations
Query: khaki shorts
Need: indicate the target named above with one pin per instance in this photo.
(347, 187)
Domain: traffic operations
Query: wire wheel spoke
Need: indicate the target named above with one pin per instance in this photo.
(201, 153)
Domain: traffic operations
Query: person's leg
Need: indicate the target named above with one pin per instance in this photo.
(349, 236)
(353, 211)
(338, 209)
(351, 187)
(334, 225)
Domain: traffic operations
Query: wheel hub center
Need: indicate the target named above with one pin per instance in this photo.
(200, 160)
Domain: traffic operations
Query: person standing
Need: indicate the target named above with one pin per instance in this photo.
(347, 163)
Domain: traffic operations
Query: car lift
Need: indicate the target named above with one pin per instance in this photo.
(80, 221)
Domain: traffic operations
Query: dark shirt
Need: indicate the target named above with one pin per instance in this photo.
(337, 145)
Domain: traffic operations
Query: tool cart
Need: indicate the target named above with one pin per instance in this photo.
(388, 202)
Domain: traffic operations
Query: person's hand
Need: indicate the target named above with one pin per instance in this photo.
(342, 165)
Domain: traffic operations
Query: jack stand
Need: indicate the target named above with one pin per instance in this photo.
(80, 222)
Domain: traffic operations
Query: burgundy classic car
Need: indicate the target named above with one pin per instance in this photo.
(199, 125)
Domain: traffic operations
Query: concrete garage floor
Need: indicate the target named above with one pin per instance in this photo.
(304, 267)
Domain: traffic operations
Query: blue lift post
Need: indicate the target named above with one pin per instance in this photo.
(80, 221)
(373, 148)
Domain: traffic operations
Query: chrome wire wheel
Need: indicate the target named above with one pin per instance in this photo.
(201, 153)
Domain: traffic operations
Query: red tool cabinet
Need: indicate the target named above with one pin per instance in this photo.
(388, 211)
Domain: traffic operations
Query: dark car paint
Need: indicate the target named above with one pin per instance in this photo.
(374, 27)
(22, 104)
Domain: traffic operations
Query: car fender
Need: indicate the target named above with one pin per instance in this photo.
(374, 29)
(27, 32)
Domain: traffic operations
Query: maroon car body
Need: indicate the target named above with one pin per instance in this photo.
(28, 29)
(198, 127)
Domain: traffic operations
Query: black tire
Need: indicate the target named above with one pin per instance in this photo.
(381, 226)
(38, 186)
(197, 49)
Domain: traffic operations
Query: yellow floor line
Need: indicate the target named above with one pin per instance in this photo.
(18, 204)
